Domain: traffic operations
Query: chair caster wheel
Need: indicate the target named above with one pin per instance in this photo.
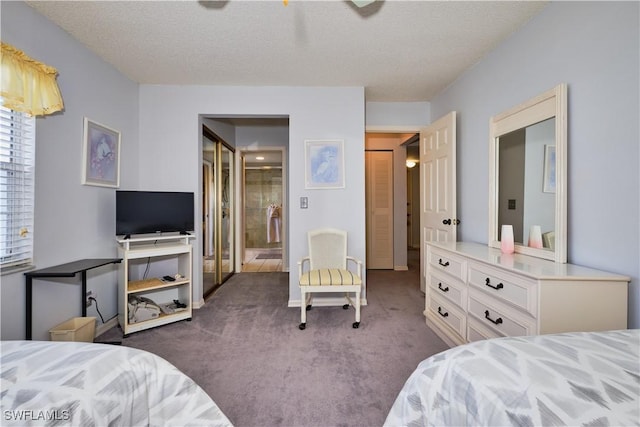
(356, 325)
(345, 307)
(309, 307)
(302, 326)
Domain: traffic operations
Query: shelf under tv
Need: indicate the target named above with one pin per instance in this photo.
(142, 238)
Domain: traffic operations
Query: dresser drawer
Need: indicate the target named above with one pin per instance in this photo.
(448, 287)
(446, 312)
(499, 318)
(477, 332)
(518, 291)
(444, 261)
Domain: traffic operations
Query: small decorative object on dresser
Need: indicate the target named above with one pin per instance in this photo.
(506, 239)
(475, 292)
(535, 237)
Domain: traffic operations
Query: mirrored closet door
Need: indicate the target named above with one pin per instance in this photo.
(217, 211)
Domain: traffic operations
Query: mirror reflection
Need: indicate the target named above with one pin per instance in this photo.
(528, 175)
(526, 184)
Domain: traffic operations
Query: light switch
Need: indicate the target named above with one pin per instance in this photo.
(304, 202)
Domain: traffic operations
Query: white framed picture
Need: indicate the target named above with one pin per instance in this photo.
(324, 164)
(101, 155)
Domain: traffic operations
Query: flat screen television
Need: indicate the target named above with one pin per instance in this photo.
(144, 212)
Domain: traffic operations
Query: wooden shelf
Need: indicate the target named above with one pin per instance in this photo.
(150, 284)
(161, 316)
(162, 319)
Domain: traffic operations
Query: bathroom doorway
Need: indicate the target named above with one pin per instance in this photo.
(264, 214)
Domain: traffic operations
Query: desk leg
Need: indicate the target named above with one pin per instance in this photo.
(84, 293)
(28, 308)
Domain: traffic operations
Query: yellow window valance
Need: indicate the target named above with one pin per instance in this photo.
(27, 85)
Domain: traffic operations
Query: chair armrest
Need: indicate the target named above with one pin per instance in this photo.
(301, 265)
(358, 264)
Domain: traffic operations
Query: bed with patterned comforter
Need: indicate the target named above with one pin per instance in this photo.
(565, 379)
(86, 384)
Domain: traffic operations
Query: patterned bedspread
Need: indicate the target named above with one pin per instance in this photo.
(573, 379)
(85, 384)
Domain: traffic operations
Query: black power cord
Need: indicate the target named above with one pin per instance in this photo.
(97, 309)
(102, 318)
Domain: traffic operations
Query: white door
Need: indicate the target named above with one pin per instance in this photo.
(437, 185)
(379, 199)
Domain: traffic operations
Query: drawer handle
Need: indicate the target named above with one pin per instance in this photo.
(441, 313)
(495, 322)
(443, 289)
(444, 264)
(498, 286)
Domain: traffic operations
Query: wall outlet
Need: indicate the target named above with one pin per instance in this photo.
(88, 302)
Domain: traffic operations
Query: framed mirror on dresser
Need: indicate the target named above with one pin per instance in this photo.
(528, 174)
(477, 291)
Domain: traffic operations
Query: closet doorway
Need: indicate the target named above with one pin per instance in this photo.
(263, 182)
(217, 211)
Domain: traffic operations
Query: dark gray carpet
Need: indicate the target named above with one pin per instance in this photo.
(244, 348)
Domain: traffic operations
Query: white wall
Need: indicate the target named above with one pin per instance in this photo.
(397, 116)
(72, 221)
(169, 139)
(594, 47)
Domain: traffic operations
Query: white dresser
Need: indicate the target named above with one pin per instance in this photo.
(475, 292)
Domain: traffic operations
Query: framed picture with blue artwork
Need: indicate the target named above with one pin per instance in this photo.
(549, 184)
(324, 164)
(101, 155)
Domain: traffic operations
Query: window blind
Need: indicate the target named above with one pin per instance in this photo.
(17, 169)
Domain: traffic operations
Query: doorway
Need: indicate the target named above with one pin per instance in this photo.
(379, 209)
(263, 216)
(217, 211)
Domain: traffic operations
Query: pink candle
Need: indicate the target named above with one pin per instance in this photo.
(506, 240)
(535, 237)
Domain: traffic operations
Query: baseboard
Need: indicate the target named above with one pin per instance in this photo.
(111, 323)
(400, 268)
(197, 304)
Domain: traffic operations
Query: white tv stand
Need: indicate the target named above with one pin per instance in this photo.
(145, 261)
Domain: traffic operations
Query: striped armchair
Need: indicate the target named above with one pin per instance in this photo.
(326, 269)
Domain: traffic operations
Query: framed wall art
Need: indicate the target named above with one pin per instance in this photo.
(101, 155)
(324, 164)
(549, 185)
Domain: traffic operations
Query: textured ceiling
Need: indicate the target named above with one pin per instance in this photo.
(397, 50)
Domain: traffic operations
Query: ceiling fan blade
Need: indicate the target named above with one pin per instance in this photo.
(362, 3)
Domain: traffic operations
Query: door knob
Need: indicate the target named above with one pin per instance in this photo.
(450, 221)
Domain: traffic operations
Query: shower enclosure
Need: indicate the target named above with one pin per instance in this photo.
(263, 211)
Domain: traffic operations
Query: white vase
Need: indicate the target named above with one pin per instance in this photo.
(506, 239)
(535, 237)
